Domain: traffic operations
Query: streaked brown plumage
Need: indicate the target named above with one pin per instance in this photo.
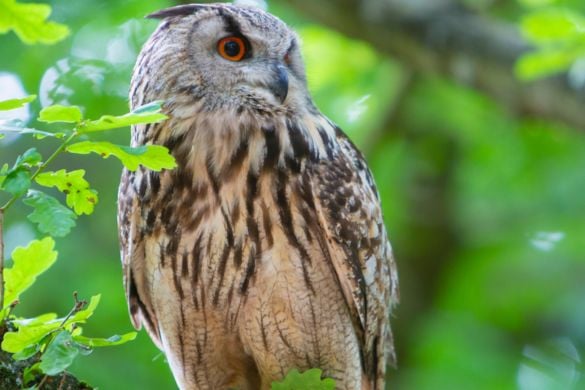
(265, 250)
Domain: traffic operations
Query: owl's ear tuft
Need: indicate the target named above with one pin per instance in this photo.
(180, 10)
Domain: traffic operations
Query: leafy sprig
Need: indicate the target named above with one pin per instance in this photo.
(29, 167)
(48, 343)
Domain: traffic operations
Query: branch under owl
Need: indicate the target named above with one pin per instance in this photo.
(443, 37)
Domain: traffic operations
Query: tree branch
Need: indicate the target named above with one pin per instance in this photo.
(445, 38)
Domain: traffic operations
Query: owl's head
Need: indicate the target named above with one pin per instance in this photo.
(226, 56)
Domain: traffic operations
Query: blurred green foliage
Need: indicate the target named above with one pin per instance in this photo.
(485, 211)
(308, 380)
(557, 30)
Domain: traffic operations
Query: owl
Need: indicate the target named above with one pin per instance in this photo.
(265, 249)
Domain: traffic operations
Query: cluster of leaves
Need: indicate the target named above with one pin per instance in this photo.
(558, 34)
(50, 344)
(29, 22)
(49, 214)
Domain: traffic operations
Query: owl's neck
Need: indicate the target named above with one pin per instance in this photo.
(221, 146)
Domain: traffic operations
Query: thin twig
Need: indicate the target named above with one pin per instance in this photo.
(77, 306)
(43, 381)
(62, 382)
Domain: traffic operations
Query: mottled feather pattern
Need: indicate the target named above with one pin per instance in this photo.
(265, 250)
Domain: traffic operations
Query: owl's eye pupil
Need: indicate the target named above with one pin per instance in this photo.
(232, 48)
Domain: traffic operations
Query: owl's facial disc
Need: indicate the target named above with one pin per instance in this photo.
(236, 56)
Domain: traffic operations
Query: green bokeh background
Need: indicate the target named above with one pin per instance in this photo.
(486, 212)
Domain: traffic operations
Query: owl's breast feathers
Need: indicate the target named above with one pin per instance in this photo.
(239, 186)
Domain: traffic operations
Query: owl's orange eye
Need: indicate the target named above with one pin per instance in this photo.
(232, 48)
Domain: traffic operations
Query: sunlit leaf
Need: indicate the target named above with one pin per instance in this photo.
(3, 172)
(29, 22)
(28, 263)
(32, 331)
(544, 63)
(35, 321)
(59, 354)
(537, 3)
(11, 104)
(26, 336)
(153, 157)
(101, 342)
(553, 25)
(58, 113)
(149, 113)
(80, 197)
(308, 380)
(50, 216)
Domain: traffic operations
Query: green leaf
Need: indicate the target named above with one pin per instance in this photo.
(28, 263)
(30, 373)
(154, 157)
(148, 113)
(80, 197)
(51, 216)
(3, 172)
(553, 25)
(17, 181)
(27, 336)
(29, 22)
(151, 107)
(32, 331)
(101, 342)
(308, 380)
(26, 352)
(35, 321)
(544, 63)
(59, 354)
(16, 126)
(30, 158)
(11, 104)
(58, 113)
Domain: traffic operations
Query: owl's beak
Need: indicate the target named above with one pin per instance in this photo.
(279, 84)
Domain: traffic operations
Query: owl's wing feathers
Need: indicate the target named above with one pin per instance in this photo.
(133, 256)
(348, 206)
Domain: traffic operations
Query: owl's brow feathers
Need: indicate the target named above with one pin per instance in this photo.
(180, 10)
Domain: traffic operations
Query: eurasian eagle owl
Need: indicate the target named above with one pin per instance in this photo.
(265, 250)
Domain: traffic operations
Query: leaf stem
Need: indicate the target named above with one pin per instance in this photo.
(42, 167)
